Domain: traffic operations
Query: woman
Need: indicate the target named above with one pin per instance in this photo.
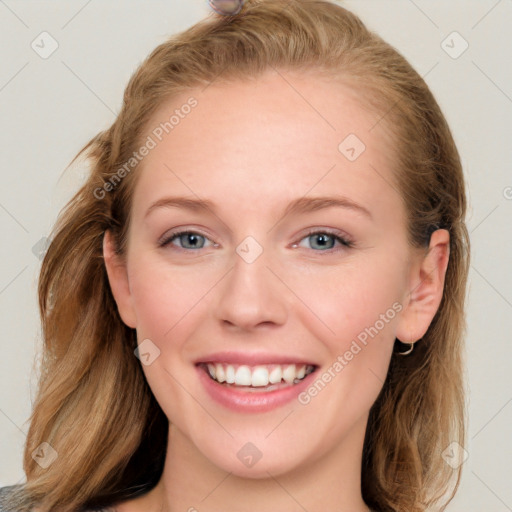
(256, 300)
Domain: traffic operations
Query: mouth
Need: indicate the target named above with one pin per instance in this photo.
(256, 378)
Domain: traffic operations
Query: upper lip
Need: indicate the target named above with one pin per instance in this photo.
(253, 359)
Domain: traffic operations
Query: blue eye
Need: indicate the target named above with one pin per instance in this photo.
(322, 241)
(187, 239)
(325, 240)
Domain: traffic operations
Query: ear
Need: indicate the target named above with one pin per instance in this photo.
(118, 279)
(426, 285)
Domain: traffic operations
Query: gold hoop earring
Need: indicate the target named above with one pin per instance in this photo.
(408, 351)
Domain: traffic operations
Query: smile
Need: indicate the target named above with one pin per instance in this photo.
(254, 382)
(257, 378)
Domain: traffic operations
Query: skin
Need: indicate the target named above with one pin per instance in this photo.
(251, 148)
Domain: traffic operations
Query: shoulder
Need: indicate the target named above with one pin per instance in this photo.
(4, 494)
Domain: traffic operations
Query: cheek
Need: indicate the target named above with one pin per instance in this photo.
(167, 303)
(359, 303)
(361, 308)
(165, 299)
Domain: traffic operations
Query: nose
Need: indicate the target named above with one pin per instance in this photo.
(252, 295)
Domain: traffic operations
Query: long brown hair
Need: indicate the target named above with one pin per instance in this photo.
(94, 406)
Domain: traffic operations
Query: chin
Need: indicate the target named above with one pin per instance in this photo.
(256, 460)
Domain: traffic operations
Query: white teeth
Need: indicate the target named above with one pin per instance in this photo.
(243, 376)
(258, 376)
(211, 370)
(220, 373)
(289, 374)
(275, 375)
(230, 374)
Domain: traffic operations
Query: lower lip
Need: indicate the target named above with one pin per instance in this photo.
(251, 401)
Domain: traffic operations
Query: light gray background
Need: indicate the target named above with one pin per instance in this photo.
(52, 107)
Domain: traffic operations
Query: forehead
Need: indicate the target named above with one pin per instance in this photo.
(282, 134)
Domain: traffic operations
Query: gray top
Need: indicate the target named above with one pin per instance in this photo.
(4, 492)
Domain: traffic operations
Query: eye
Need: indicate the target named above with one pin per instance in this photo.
(321, 240)
(324, 241)
(187, 240)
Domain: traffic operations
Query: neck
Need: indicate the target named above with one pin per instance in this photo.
(191, 483)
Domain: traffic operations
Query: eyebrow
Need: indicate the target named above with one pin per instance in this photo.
(297, 206)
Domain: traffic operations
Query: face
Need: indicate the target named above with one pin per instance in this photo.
(291, 279)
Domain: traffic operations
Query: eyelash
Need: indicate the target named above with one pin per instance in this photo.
(343, 240)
